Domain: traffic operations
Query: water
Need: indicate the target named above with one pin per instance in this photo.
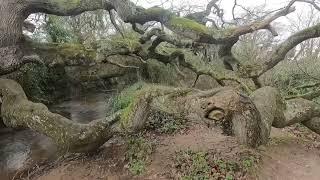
(23, 149)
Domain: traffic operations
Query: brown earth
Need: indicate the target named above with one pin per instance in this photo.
(292, 154)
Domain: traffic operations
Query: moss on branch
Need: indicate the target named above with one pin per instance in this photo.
(187, 24)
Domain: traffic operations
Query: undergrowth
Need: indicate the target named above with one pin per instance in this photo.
(165, 123)
(138, 154)
(191, 165)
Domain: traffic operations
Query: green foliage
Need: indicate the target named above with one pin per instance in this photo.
(40, 82)
(138, 152)
(193, 165)
(76, 51)
(161, 73)
(202, 166)
(126, 97)
(165, 123)
(126, 101)
(248, 163)
(58, 31)
(117, 43)
(187, 24)
(290, 76)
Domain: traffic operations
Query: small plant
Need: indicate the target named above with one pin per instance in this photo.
(138, 152)
(165, 123)
(123, 100)
(248, 162)
(203, 165)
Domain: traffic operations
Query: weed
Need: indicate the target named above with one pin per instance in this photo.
(138, 152)
(165, 123)
(203, 165)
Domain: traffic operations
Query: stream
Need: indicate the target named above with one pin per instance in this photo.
(23, 149)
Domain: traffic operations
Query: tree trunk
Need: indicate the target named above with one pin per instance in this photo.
(12, 16)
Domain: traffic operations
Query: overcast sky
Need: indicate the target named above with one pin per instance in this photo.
(302, 9)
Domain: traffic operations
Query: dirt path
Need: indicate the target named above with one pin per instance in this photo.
(289, 158)
(286, 158)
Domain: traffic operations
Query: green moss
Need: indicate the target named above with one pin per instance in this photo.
(43, 84)
(186, 24)
(64, 51)
(129, 100)
(126, 97)
(162, 73)
(222, 32)
(116, 42)
(157, 11)
(75, 51)
(68, 4)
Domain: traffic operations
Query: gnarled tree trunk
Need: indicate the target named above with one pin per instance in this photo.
(12, 16)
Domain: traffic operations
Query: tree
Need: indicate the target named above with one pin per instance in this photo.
(247, 111)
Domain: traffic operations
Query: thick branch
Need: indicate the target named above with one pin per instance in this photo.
(18, 112)
(66, 7)
(281, 51)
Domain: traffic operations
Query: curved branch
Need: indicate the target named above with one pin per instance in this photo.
(200, 17)
(18, 112)
(281, 51)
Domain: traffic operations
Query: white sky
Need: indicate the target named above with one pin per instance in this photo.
(302, 9)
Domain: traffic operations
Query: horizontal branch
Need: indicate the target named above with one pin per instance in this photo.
(65, 7)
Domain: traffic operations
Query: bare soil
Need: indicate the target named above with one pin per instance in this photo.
(292, 154)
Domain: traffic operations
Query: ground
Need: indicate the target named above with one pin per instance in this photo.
(292, 153)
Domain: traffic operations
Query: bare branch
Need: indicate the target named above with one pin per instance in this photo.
(312, 2)
(120, 65)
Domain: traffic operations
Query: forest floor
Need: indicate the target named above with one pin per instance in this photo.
(293, 153)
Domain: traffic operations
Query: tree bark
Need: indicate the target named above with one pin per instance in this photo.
(18, 112)
(248, 118)
(12, 16)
